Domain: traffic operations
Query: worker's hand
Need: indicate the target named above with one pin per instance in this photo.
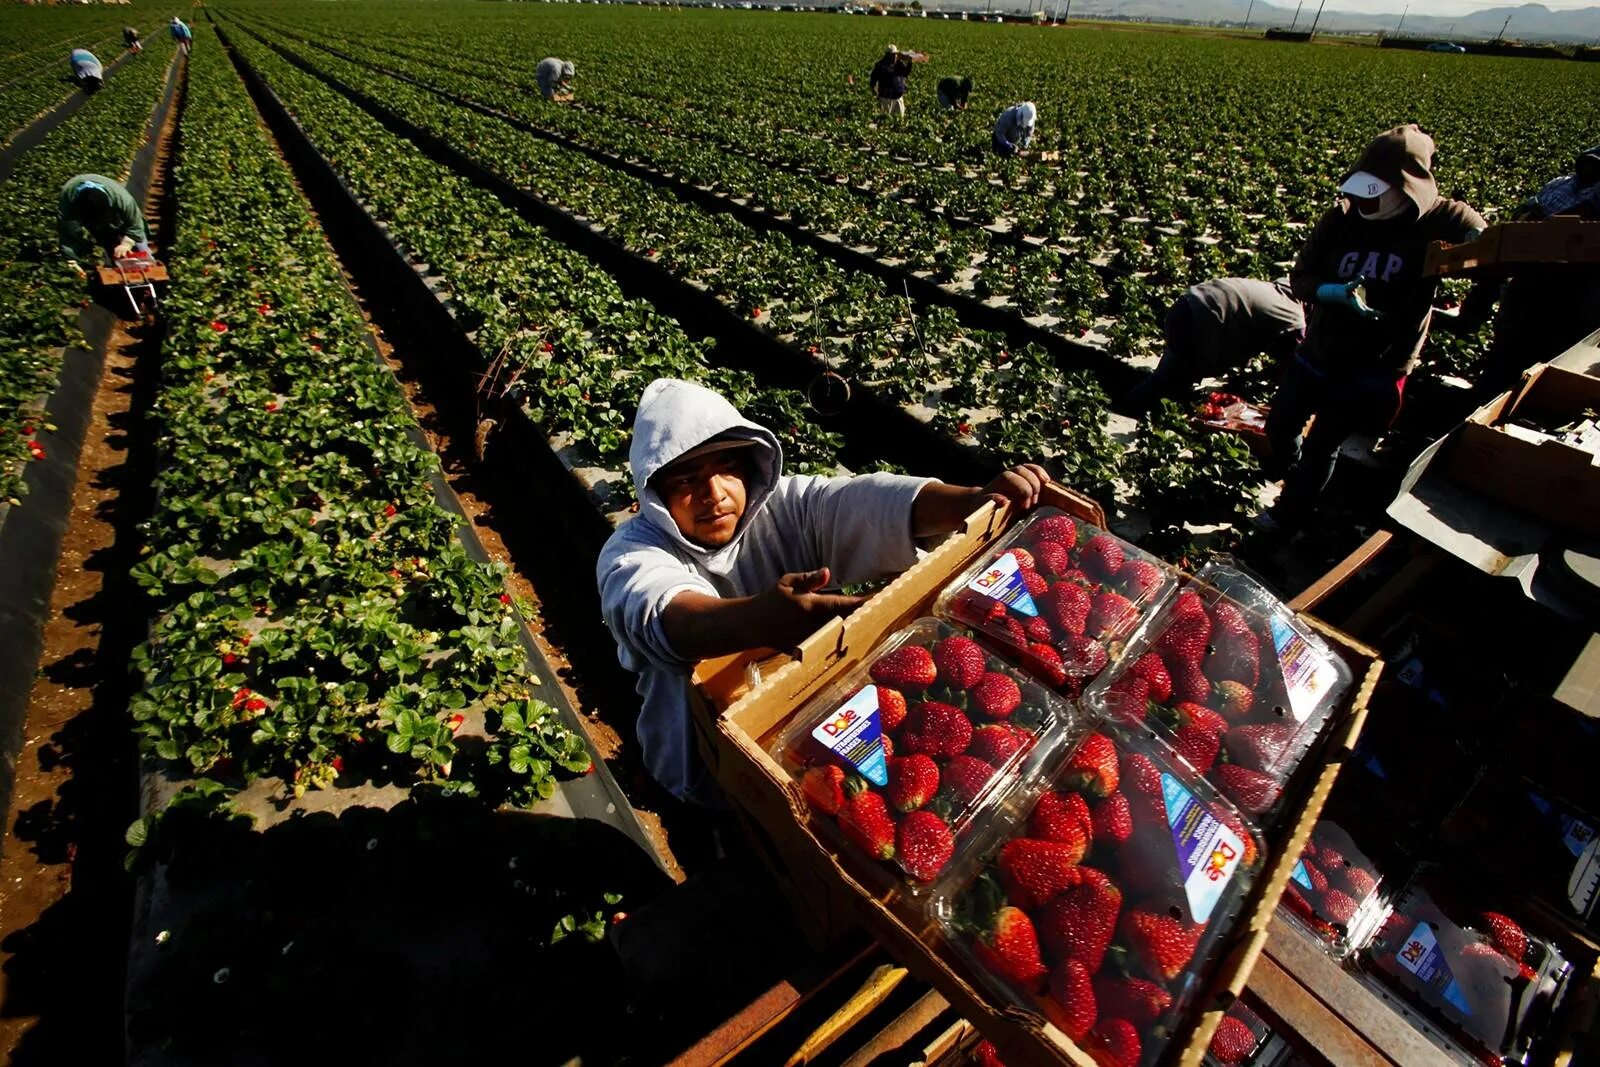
(1347, 295)
(123, 248)
(793, 609)
(77, 268)
(1020, 486)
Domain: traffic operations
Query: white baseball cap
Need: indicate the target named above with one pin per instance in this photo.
(1364, 185)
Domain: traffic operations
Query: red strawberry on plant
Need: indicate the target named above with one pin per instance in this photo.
(1112, 616)
(996, 696)
(1339, 906)
(1079, 923)
(1045, 662)
(1113, 819)
(1113, 1043)
(865, 819)
(1233, 1042)
(1053, 560)
(1253, 791)
(1101, 558)
(1198, 745)
(936, 729)
(1057, 528)
(1135, 999)
(908, 667)
(966, 777)
(961, 663)
(997, 743)
(924, 844)
(823, 788)
(1234, 699)
(891, 708)
(1073, 996)
(1067, 607)
(1010, 948)
(1036, 872)
(913, 781)
(1092, 767)
(1153, 670)
(1163, 945)
(1061, 817)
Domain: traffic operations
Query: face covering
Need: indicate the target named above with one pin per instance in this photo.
(1391, 203)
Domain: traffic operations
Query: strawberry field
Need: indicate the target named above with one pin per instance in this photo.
(381, 428)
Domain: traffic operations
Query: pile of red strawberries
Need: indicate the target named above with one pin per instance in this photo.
(1341, 882)
(1085, 908)
(954, 723)
(1090, 597)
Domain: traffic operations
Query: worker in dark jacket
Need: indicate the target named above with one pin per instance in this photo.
(954, 92)
(888, 80)
(94, 210)
(130, 38)
(86, 70)
(1216, 326)
(1361, 275)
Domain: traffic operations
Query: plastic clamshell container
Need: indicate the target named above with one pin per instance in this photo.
(1448, 966)
(1267, 684)
(1111, 587)
(910, 698)
(1336, 893)
(1174, 865)
(1238, 1043)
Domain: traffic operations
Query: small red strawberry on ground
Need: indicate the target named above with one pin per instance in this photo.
(1189, 682)
(1073, 996)
(1139, 1001)
(997, 743)
(1092, 767)
(1033, 581)
(1198, 745)
(1140, 579)
(913, 781)
(996, 696)
(1061, 817)
(1113, 1043)
(1036, 872)
(1057, 528)
(865, 819)
(891, 708)
(924, 844)
(1045, 662)
(1253, 791)
(1067, 605)
(1153, 670)
(1111, 616)
(966, 777)
(1101, 557)
(1163, 945)
(960, 661)
(1507, 936)
(1359, 882)
(1053, 560)
(1079, 923)
(984, 1054)
(1010, 948)
(908, 667)
(1233, 1042)
(824, 788)
(1233, 699)
(936, 729)
(1083, 656)
(1038, 629)
(1339, 907)
(1113, 819)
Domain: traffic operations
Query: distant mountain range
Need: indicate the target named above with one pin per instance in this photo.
(1529, 22)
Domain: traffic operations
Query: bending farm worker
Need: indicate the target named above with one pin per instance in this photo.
(1361, 275)
(130, 39)
(553, 76)
(953, 93)
(181, 34)
(1216, 326)
(888, 80)
(86, 70)
(1013, 130)
(728, 553)
(95, 210)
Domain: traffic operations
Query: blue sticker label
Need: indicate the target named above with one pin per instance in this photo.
(1422, 956)
(1307, 674)
(1208, 852)
(1300, 875)
(1002, 581)
(854, 734)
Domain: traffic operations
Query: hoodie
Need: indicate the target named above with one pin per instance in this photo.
(859, 527)
(552, 74)
(1388, 253)
(80, 233)
(1013, 130)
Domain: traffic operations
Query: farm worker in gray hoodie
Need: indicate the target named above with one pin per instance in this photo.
(1013, 130)
(1360, 273)
(86, 70)
(94, 209)
(553, 74)
(728, 553)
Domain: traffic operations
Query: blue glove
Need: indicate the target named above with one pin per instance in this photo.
(1345, 296)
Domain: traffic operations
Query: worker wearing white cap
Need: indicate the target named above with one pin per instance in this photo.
(554, 76)
(1360, 275)
(888, 79)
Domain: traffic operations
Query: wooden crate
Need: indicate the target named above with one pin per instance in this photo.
(1555, 241)
(835, 889)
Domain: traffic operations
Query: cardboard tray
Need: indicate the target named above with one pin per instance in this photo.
(1558, 240)
(834, 891)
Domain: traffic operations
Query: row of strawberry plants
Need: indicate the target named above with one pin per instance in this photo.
(1014, 402)
(315, 612)
(36, 287)
(33, 92)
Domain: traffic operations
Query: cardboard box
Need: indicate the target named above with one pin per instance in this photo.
(835, 889)
(1562, 239)
(1549, 479)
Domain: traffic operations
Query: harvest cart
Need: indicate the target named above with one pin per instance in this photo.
(137, 276)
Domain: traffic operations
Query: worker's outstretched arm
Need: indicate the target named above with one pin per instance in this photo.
(940, 508)
(698, 625)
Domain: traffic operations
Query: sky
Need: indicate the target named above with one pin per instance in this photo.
(1446, 7)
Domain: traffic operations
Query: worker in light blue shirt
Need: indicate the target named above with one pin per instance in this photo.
(86, 70)
(1013, 130)
(181, 34)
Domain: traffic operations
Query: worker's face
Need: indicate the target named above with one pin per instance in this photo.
(706, 496)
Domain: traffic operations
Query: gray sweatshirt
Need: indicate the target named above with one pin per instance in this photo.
(859, 527)
(552, 75)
